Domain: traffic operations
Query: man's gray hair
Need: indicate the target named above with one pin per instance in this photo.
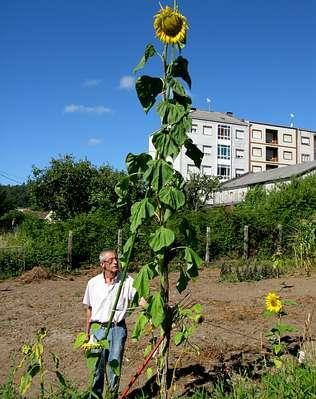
(104, 252)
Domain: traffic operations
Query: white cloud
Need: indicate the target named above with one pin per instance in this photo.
(99, 109)
(91, 82)
(93, 141)
(127, 82)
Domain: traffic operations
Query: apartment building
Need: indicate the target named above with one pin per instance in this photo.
(274, 146)
(234, 146)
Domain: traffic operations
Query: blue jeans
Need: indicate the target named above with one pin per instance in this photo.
(117, 337)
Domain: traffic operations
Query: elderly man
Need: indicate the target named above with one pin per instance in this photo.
(100, 297)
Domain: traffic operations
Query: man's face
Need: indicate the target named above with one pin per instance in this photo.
(110, 262)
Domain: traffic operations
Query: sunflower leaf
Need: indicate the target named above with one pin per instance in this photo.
(183, 281)
(147, 89)
(165, 144)
(140, 211)
(161, 238)
(137, 163)
(193, 152)
(150, 51)
(172, 197)
(156, 309)
(158, 173)
(180, 70)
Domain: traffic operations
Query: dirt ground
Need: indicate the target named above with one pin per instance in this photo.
(232, 311)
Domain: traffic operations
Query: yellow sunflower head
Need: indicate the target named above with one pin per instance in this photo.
(170, 26)
(273, 303)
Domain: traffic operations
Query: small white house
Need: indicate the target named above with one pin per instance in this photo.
(234, 190)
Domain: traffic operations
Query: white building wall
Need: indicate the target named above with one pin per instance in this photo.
(205, 135)
(233, 196)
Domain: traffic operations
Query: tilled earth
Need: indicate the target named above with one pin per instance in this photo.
(233, 324)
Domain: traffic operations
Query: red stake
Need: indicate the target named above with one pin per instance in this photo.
(141, 368)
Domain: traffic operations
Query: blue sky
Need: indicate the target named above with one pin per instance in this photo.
(66, 82)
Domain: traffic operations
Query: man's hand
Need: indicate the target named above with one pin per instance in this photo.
(143, 303)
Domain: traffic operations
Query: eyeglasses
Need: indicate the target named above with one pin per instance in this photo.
(110, 260)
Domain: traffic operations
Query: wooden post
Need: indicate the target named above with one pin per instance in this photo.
(69, 248)
(119, 241)
(280, 235)
(246, 241)
(207, 248)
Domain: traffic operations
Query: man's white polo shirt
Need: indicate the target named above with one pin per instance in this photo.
(101, 297)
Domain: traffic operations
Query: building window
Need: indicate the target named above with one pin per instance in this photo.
(240, 134)
(256, 152)
(239, 172)
(223, 171)
(287, 138)
(288, 155)
(192, 170)
(256, 169)
(207, 130)
(305, 140)
(194, 129)
(223, 132)
(306, 157)
(223, 151)
(207, 170)
(240, 153)
(207, 150)
(256, 134)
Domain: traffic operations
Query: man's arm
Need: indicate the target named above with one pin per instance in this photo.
(88, 320)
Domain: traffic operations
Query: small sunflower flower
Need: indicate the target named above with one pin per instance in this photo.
(170, 26)
(273, 303)
(88, 346)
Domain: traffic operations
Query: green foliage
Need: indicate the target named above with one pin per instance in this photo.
(64, 187)
(39, 242)
(12, 219)
(290, 381)
(12, 197)
(248, 270)
(69, 188)
(35, 367)
(304, 244)
(199, 190)
(5, 203)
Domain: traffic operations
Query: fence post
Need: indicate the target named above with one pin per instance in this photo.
(246, 241)
(207, 248)
(69, 248)
(280, 235)
(119, 241)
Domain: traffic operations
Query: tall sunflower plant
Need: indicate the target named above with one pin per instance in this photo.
(164, 195)
(276, 307)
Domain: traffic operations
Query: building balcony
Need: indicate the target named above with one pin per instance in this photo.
(271, 154)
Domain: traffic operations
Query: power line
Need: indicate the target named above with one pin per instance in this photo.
(9, 178)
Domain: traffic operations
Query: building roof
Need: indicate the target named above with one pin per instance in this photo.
(228, 117)
(269, 176)
(222, 117)
(284, 126)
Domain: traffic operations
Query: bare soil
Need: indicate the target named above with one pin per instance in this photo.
(233, 325)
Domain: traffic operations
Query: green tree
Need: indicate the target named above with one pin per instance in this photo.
(64, 187)
(17, 195)
(199, 189)
(103, 195)
(5, 204)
